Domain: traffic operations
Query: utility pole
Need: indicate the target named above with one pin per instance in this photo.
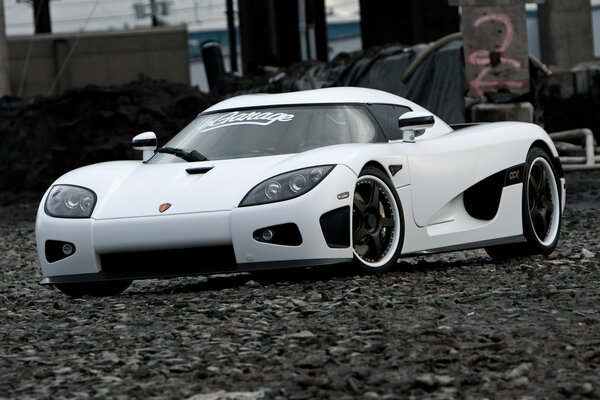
(153, 9)
(4, 65)
(232, 37)
(154, 13)
(41, 16)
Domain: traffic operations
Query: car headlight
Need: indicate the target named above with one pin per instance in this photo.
(67, 201)
(286, 186)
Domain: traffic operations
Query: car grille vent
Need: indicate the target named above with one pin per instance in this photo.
(197, 171)
(165, 263)
(335, 225)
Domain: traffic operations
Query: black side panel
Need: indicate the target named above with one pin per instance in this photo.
(514, 175)
(482, 199)
(335, 225)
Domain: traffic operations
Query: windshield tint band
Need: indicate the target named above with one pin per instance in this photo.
(266, 131)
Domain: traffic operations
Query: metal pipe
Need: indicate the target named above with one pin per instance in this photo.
(578, 160)
(213, 62)
(574, 133)
(579, 167)
(427, 52)
(589, 161)
(433, 47)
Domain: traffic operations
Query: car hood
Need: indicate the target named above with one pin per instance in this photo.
(130, 189)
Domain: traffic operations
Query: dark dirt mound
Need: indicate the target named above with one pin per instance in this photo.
(44, 137)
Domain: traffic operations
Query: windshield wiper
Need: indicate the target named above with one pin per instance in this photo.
(188, 156)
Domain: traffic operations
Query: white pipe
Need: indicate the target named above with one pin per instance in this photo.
(578, 160)
(589, 160)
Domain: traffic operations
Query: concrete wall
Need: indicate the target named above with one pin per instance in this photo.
(566, 32)
(101, 58)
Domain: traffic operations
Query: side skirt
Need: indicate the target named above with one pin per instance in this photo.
(470, 246)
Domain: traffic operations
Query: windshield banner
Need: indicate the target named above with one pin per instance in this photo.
(244, 118)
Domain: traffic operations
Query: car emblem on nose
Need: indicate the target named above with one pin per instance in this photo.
(164, 207)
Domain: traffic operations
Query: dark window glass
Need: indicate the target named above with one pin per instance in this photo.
(387, 115)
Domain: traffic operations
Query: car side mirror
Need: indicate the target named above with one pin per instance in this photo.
(146, 142)
(414, 123)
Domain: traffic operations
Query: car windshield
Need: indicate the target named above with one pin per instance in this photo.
(272, 131)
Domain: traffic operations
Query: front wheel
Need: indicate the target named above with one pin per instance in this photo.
(377, 222)
(96, 289)
(541, 209)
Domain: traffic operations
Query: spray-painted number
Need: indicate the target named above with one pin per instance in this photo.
(482, 57)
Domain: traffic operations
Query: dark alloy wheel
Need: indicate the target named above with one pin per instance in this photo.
(377, 222)
(541, 210)
(96, 289)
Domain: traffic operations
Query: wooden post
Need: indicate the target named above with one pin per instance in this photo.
(231, 36)
(4, 65)
(495, 46)
(41, 16)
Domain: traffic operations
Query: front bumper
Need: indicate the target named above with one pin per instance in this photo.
(196, 243)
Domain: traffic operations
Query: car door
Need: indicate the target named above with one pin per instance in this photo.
(441, 169)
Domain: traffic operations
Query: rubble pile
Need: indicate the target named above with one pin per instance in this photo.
(44, 137)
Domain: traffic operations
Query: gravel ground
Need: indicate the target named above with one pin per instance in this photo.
(453, 326)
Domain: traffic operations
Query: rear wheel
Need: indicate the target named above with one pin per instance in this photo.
(96, 289)
(377, 222)
(541, 210)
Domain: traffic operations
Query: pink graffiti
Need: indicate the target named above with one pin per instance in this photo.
(478, 83)
(482, 57)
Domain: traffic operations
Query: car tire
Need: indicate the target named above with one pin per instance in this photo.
(541, 210)
(95, 289)
(377, 222)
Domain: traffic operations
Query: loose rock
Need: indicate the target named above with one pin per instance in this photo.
(446, 326)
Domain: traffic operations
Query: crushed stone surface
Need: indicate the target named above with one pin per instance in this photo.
(449, 326)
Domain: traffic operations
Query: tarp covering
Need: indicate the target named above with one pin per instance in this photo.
(438, 84)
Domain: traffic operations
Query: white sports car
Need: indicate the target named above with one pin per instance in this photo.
(338, 175)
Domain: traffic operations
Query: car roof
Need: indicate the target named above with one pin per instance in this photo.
(334, 95)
